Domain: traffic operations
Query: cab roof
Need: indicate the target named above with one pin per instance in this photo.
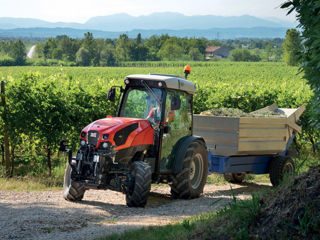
(171, 81)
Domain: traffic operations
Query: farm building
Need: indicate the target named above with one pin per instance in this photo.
(217, 52)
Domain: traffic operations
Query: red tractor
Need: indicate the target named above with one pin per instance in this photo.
(149, 141)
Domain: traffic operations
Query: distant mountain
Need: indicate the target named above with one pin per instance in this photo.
(213, 33)
(155, 21)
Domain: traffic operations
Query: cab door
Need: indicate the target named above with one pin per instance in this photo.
(180, 123)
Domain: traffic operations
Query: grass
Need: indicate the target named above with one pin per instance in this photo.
(26, 184)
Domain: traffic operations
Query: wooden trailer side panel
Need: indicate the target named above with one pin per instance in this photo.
(220, 133)
(262, 135)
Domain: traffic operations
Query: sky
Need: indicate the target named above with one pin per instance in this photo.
(82, 10)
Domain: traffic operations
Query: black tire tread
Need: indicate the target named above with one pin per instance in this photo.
(276, 169)
(142, 185)
(75, 191)
(180, 186)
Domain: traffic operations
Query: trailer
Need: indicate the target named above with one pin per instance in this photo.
(256, 145)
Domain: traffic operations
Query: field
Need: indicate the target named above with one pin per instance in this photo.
(247, 86)
(47, 104)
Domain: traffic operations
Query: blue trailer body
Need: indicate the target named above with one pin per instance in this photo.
(258, 164)
(237, 164)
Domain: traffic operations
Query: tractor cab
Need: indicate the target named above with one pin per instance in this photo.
(166, 102)
(150, 140)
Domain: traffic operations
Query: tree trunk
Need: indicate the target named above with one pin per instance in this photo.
(5, 132)
(49, 159)
(12, 159)
(2, 153)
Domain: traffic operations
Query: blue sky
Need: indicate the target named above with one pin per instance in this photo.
(82, 10)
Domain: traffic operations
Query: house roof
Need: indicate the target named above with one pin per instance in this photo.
(212, 48)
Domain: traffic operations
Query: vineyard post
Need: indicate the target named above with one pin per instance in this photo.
(5, 131)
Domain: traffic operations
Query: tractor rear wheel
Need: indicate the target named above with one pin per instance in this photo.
(189, 183)
(279, 167)
(138, 193)
(234, 177)
(72, 191)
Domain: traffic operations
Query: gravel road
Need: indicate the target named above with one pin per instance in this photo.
(46, 215)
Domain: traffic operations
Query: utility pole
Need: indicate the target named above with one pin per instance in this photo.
(5, 131)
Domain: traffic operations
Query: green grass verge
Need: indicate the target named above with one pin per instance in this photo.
(28, 184)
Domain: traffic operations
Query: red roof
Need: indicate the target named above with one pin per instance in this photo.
(212, 48)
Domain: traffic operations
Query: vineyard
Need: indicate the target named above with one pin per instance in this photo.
(47, 104)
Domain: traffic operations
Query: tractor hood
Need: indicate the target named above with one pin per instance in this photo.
(116, 130)
(112, 123)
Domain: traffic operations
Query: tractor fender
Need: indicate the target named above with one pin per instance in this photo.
(180, 149)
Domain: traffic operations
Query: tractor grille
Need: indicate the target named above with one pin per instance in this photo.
(93, 137)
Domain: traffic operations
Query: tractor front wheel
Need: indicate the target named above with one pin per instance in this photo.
(189, 183)
(137, 195)
(72, 191)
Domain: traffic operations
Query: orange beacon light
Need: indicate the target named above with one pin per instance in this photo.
(187, 71)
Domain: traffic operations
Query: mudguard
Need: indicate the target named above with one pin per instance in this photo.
(180, 149)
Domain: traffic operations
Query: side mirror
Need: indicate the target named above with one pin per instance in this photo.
(63, 145)
(111, 94)
(175, 103)
(166, 129)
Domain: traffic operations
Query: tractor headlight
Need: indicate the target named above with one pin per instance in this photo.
(82, 143)
(83, 134)
(105, 145)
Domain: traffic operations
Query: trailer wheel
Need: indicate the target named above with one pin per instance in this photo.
(189, 183)
(234, 177)
(138, 193)
(279, 167)
(72, 191)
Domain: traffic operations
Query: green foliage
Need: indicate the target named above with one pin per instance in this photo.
(18, 52)
(243, 55)
(308, 17)
(171, 51)
(107, 57)
(83, 57)
(195, 54)
(292, 48)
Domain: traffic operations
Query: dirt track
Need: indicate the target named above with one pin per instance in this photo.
(46, 215)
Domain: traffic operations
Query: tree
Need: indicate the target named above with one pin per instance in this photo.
(69, 48)
(122, 49)
(91, 45)
(308, 16)
(292, 48)
(137, 52)
(195, 54)
(243, 55)
(83, 57)
(138, 39)
(107, 56)
(18, 52)
(171, 50)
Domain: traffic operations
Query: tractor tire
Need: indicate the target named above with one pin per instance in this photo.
(139, 192)
(189, 183)
(234, 177)
(279, 167)
(72, 191)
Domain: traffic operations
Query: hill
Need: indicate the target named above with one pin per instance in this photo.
(213, 33)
